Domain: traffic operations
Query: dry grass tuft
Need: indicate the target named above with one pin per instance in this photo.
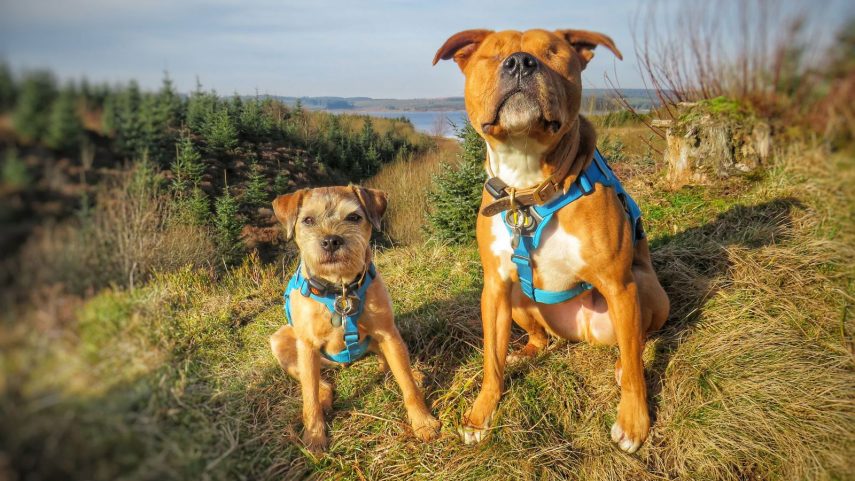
(132, 230)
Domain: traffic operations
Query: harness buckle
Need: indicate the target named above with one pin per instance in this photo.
(346, 305)
(495, 187)
(540, 193)
(519, 259)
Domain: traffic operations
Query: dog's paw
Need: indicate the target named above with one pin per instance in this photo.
(471, 433)
(419, 378)
(325, 397)
(630, 431)
(623, 440)
(426, 427)
(527, 353)
(314, 441)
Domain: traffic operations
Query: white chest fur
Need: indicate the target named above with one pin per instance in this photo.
(557, 259)
(517, 161)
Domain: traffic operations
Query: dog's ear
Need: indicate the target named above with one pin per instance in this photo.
(286, 207)
(373, 202)
(585, 42)
(461, 45)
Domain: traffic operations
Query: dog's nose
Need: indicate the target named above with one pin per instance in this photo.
(331, 243)
(520, 63)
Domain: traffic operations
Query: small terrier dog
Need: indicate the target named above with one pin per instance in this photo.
(337, 304)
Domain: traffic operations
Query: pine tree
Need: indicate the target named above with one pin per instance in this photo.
(187, 168)
(227, 226)
(64, 129)
(280, 183)
(14, 171)
(194, 208)
(371, 161)
(256, 187)
(220, 131)
(255, 124)
(235, 106)
(298, 124)
(368, 135)
(456, 193)
(130, 142)
(169, 104)
(8, 90)
(199, 107)
(38, 90)
(108, 115)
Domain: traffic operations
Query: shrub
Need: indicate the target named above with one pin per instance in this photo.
(456, 194)
(612, 148)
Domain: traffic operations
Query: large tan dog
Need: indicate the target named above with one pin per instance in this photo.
(523, 92)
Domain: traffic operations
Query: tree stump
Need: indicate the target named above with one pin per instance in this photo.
(713, 140)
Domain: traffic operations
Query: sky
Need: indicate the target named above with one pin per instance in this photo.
(380, 49)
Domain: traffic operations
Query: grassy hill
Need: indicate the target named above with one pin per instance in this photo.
(752, 377)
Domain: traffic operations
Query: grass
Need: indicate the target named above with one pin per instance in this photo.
(407, 181)
(753, 377)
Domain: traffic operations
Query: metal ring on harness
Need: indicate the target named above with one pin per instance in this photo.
(346, 305)
(520, 219)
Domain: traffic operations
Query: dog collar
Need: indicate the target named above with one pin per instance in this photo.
(345, 305)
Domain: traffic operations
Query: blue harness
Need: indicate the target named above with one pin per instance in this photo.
(345, 309)
(526, 232)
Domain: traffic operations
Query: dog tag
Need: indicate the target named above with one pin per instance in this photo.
(335, 320)
(515, 240)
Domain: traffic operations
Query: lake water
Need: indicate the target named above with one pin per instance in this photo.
(424, 122)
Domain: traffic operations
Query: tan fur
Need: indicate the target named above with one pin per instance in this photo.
(298, 347)
(588, 240)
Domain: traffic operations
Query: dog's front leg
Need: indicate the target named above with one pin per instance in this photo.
(424, 425)
(496, 322)
(309, 362)
(633, 420)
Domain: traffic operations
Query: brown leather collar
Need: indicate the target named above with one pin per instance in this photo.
(506, 197)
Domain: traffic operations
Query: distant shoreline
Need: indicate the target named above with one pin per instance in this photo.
(601, 99)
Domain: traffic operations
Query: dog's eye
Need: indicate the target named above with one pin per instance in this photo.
(308, 221)
(353, 217)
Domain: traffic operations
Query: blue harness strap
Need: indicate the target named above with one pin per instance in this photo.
(354, 348)
(598, 172)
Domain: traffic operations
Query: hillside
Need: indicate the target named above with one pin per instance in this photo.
(751, 378)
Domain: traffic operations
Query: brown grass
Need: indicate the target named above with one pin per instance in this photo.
(407, 182)
(132, 231)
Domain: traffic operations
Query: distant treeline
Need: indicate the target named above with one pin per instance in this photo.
(139, 123)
